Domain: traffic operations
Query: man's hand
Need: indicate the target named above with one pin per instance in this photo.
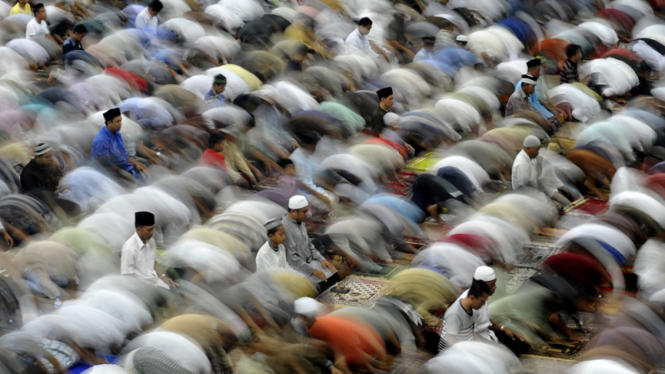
(321, 275)
(512, 334)
(8, 239)
(334, 370)
(170, 282)
(140, 167)
(328, 265)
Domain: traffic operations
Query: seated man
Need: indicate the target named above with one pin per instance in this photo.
(300, 252)
(213, 155)
(73, 43)
(459, 320)
(521, 99)
(548, 111)
(109, 149)
(139, 253)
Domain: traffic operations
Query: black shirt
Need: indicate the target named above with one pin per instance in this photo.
(35, 177)
(377, 124)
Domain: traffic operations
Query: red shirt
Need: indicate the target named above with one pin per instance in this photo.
(214, 159)
(352, 340)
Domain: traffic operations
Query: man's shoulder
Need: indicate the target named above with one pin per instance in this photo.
(131, 243)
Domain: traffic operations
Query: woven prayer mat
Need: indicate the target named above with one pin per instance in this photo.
(568, 350)
(404, 184)
(363, 292)
(588, 205)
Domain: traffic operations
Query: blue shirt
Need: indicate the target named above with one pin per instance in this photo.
(110, 146)
(213, 100)
(536, 106)
(70, 45)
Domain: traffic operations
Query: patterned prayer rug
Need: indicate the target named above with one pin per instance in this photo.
(568, 350)
(364, 292)
(533, 255)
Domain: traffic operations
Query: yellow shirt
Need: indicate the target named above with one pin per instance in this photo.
(17, 10)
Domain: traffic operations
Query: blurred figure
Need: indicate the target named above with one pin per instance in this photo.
(391, 120)
(213, 156)
(427, 52)
(569, 72)
(386, 101)
(300, 252)
(214, 98)
(273, 254)
(139, 254)
(525, 171)
(521, 99)
(462, 41)
(21, 7)
(41, 178)
(73, 43)
(38, 26)
(108, 148)
(149, 17)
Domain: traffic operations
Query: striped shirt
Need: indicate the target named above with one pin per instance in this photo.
(569, 72)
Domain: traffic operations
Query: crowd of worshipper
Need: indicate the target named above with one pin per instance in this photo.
(181, 179)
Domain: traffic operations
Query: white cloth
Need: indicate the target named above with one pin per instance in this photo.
(481, 318)
(138, 259)
(358, 41)
(36, 29)
(654, 59)
(267, 258)
(524, 171)
(144, 19)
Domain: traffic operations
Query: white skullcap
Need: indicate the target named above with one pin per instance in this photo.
(390, 118)
(531, 141)
(308, 307)
(298, 202)
(462, 38)
(485, 274)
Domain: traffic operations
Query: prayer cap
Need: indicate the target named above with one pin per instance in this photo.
(531, 141)
(219, 79)
(533, 63)
(384, 92)
(144, 219)
(462, 38)
(529, 79)
(307, 307)
(390, 118)
(485, 274)
(112, 114)
(429, 40)
(298, 202)
(273, 224)
(42, 148)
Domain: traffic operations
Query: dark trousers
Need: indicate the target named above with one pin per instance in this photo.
(517, 346)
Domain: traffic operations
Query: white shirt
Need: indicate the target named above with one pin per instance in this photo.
(482, 320)
(459, 323)
(423, 55)
(654, 59)
(36, 29)
(268, 258)
(525, 173)
(138, 259)
(356, 41)
(144, 19)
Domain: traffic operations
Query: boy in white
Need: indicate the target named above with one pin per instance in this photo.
(272, 255)
(38, 26)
